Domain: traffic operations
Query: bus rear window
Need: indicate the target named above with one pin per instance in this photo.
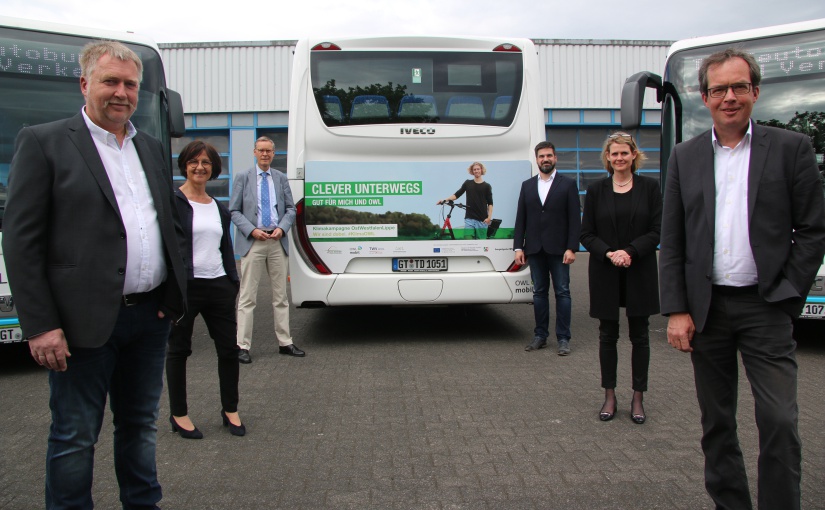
(395, 87)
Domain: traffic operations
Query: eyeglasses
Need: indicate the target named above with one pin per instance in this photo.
(195, 162)
(264, 151)
(739, 89)
(619, 135)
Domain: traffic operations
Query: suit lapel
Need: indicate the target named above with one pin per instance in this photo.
(704, 162)
(759, 154)
(150, 170)
(82, 139)
(609, 201)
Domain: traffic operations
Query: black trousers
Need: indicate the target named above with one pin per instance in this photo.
(762, 333)
(214, 300)
(639, 357)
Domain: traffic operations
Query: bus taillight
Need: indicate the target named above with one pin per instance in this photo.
(507, 47)
(307, 251)
(325, 46)
(514, 268)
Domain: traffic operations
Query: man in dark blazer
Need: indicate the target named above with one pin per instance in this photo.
(91, 243)
(546, 236)
(743, 234)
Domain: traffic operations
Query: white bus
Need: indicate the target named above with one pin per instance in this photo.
(791, 95)
(40, 82)
(380, 130)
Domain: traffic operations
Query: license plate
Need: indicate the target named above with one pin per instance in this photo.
(813, 311)
(11, 335)
(420, 264)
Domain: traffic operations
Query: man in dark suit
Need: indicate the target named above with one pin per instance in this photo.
(546, 236)
(91, 243)
(743, 234)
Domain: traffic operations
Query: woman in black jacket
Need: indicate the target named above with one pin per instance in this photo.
(620, 228)
(212, 288)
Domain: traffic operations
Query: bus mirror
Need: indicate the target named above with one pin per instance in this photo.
(633, 95)
(174, 105)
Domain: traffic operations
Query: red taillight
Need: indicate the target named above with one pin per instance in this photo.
(325, 46)
(514, 268)
(507, 47)
(309, 253)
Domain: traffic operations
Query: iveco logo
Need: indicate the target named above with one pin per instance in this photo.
(417, 131)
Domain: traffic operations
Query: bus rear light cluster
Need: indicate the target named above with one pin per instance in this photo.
(325, 46)
(308, 253)
(507, 47)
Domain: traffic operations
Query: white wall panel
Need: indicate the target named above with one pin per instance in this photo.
(590, 74)
(230, 77)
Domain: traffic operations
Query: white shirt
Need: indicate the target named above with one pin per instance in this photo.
(145, 264)
(544, 186)
(207, 233)
(733, 262)
(273, 201)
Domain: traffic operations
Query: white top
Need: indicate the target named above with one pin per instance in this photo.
(207, 232)
(733, 262)
(145, 265)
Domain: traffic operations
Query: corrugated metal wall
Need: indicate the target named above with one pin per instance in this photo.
(255, 76)
(580, 74)
(230, 77)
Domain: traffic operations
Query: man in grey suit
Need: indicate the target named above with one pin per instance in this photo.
(263, 211)
(91, 242)
(743, 233)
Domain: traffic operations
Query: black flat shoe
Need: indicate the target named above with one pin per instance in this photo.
(186, 434)
(638, 417)
(605, 416)
(235, 430)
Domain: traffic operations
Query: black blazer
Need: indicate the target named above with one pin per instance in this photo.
(64, 241)
(600, 235)
(786, 220)
(186, 214)
(552, 226)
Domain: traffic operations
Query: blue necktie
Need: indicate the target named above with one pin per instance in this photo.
(266, 208)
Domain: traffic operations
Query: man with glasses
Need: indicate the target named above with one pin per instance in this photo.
(263, 211)
(743, 234)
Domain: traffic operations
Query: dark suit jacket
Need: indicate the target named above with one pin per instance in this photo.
(600, 235)
(64, 241)
(785, 214)
(552, 226)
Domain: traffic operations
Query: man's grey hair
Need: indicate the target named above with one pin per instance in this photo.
(93, 51)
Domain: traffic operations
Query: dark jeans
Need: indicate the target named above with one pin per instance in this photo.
(609, 355)
(129, 368)
(543, 267)
(214, 300)
(762, 333)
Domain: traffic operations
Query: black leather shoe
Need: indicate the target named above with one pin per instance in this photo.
(536, 344)
(244, 357)
(235, 430)
(291, 350)
(186, 434)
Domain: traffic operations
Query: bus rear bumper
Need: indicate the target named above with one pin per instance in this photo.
(410, 288)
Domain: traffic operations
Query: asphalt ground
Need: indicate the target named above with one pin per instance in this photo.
(422, 408)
